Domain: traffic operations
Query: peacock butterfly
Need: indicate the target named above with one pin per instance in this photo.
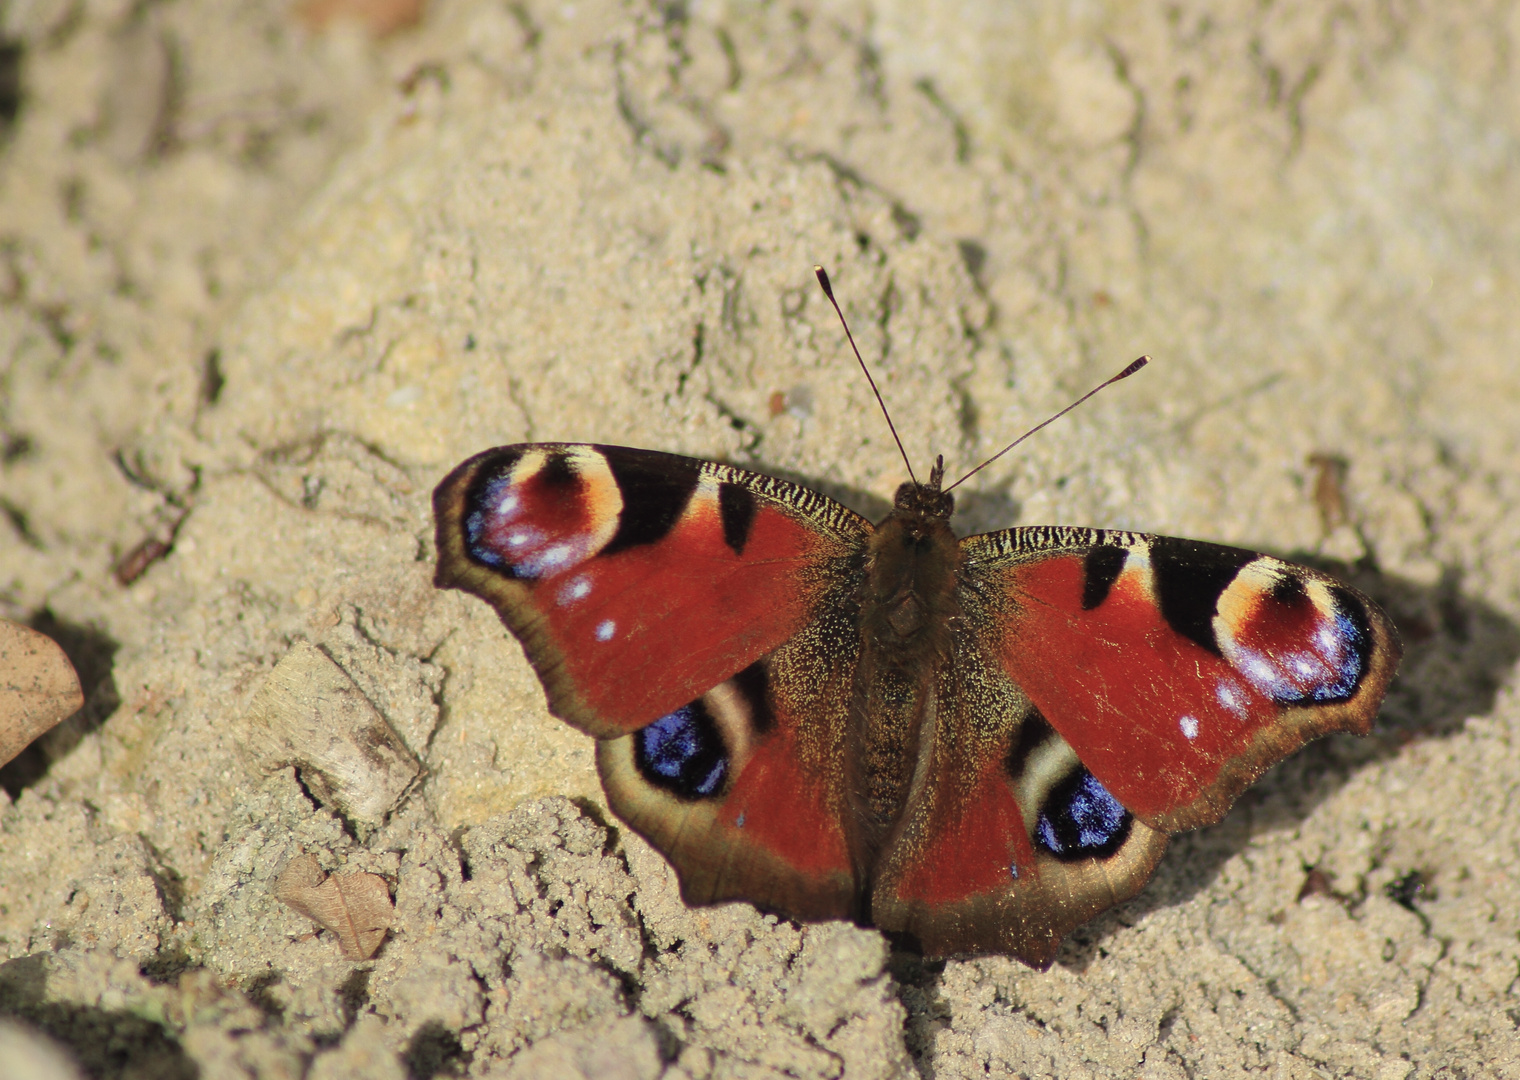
(975, 744)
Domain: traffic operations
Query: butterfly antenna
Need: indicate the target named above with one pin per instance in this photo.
(1126, 373)
(828, 290)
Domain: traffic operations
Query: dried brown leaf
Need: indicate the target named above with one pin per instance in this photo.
(379, 17)
(355, 907)
(38, 687)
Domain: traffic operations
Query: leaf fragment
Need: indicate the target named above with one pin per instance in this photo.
(355, 907)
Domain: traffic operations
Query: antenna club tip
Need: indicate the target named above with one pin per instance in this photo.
(823, 280)
(1134, 367)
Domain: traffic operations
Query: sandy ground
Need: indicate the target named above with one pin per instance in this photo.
(260, 287)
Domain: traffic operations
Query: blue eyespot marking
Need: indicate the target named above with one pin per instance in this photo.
(530, 529)
(683, 753)
(1304, 643)
(1081, 820)
(496, 498)
(1347, 643)
(1326, 667)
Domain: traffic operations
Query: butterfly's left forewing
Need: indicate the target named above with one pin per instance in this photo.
(636, 580)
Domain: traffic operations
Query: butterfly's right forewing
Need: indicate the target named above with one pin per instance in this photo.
(1180, 670)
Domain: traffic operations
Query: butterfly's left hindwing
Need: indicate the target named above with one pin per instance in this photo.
(744, 790)
(696, 618)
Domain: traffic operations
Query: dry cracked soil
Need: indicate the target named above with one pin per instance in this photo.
(268, 271)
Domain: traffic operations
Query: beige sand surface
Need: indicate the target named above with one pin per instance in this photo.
(260, 289)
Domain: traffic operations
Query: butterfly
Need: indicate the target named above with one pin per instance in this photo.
(975, 744)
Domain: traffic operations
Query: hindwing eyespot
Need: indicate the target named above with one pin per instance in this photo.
(683, 753)
(1081, 819)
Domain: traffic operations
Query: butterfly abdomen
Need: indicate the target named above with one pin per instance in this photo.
(908, 606)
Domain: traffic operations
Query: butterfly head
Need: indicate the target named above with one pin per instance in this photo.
(926, 500)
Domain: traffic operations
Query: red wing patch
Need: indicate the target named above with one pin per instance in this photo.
(742, 788)
(649, 628)
(1150, 712)
(795, 816)
(979, 843)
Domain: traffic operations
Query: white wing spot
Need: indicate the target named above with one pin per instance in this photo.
(605, 629)
(1257, 668)
(1189, 726)
(555, 556)
(1228, 697)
